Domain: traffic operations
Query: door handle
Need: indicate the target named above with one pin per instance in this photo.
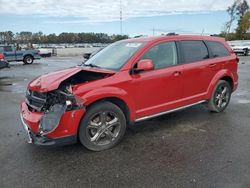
(177, 73)
(212, 65)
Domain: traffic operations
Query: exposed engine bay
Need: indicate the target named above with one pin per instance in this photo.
(54, 103)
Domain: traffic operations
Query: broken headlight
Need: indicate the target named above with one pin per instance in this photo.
(57, 103)
(51, 119)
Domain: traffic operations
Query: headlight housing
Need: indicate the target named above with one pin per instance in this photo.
(58, 102)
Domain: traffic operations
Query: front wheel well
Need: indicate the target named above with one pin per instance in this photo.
(28, 55)
(229, 80)
(118, 102)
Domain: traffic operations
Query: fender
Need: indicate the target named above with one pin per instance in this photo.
(216, 78)
(110, 91)
(28, 53)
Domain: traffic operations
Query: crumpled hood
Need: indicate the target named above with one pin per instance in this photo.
(51, 81)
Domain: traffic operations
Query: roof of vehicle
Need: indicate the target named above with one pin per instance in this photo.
(176, 37)
(2, 45)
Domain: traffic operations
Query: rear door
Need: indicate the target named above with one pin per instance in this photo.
(198, 69)
(219, 53)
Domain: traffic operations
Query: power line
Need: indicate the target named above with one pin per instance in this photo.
(121, 17)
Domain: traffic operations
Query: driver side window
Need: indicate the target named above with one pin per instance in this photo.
(163, 55)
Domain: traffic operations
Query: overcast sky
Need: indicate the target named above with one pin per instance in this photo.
(139, 16)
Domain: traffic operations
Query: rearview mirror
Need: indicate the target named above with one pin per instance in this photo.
(144, 65)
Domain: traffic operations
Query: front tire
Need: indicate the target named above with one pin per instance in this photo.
(220, 97)
(28, 59)
(102, 127)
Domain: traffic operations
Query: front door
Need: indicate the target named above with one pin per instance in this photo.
(158, 90)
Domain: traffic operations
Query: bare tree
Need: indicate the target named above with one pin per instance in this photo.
(232, 11)
(242, 8)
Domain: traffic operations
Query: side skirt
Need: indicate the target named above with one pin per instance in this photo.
(169, 111)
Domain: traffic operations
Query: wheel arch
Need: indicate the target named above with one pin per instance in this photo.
(229, 80)
(114, 95)
(118, 102)
(25, 55)
(222, 75)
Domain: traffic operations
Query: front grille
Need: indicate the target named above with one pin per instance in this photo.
(35, 100)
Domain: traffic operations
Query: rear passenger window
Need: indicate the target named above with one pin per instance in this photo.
(194, 51)
(218, 49)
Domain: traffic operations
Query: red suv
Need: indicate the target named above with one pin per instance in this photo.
(129, 81)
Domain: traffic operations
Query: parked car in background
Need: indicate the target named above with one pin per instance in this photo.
(11, 54)
(45, 52)
(128, 81)
(3, 62)
(87, 56)
(242, 49)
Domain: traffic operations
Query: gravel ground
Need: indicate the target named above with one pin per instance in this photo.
(189, 148)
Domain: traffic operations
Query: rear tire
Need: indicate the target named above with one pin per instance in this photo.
(102, 127)
(220, 97)
(28, 59)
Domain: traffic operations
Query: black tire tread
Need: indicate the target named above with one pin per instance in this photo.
(25, 61)
(211, 106)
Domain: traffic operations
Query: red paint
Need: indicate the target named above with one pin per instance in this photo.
(145, 93)
(1, 56)
(145, 65)
(51, 81)
(68, 125)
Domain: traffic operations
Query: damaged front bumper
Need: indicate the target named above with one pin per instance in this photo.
(43, 140)
(64, 133)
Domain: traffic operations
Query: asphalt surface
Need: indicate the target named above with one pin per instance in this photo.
(189, 148)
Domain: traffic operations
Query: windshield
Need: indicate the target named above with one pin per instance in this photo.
(115, 55)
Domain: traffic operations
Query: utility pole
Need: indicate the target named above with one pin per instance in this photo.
(121, 16)
(202, 32)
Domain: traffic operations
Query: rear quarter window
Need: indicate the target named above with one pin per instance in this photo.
(217, 49)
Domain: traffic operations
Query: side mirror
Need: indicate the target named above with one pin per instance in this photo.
(145, 65)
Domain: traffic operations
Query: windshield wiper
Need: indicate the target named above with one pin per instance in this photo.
(91, 65)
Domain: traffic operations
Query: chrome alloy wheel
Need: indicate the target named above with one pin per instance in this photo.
(222, 96)
(103, 128)
(29, 60)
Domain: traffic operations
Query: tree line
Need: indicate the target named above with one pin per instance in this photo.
(25, 37)
(239, 13)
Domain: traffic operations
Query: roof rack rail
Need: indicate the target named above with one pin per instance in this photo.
(200, 34)
(172, 34)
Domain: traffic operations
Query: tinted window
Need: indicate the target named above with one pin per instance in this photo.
(218, 49)
(163, 55)
(194, 51)
(7, 48)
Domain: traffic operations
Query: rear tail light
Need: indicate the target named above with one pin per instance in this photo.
(237, 59)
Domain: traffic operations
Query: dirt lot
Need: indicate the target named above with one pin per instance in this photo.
(189, 148)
